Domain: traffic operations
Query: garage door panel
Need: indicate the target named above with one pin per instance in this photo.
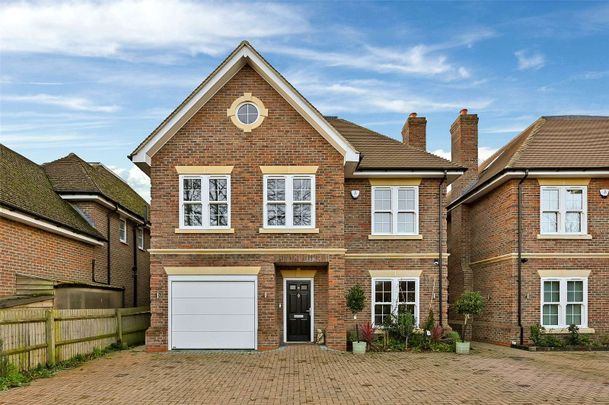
(213, 306)
(214, 340)
(212, 289)
(212, 323)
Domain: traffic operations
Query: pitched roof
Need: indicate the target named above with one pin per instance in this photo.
(72, 175)
(243, 54)
(24, 186)
(566, 142)
(378, 151)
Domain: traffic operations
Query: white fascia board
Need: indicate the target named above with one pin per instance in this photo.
(406, 174)
(88, 197)
(47, 226)
(124, 213)
(215, 83)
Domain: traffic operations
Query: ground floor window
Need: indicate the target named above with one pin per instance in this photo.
(564, 302)
(394, 295)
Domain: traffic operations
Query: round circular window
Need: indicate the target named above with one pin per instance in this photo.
(247, 113)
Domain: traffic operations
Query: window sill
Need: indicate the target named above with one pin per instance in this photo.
(564, 236)
(565, 331)
(222, 230)
(123, 241)
(395, 237)
(288, 230)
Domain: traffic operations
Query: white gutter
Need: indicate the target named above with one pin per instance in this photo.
(47, 226)
(402, 174)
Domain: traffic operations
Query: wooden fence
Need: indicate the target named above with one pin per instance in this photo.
(34, 336)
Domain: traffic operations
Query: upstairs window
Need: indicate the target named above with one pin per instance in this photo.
(140, 238)
(122, 231)
(289, 201)
(204, 202)
(564, 302)
(563, 210)
(395, 210)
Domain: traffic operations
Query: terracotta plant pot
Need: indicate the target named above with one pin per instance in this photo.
(359, 347)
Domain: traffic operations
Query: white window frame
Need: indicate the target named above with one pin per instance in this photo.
(289, 200)
(395, 288)
(562, 304)
(139, 233)
(205, 200)
(122, 230)
(394, 210)
(562, 210)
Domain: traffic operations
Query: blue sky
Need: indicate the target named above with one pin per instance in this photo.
(96, 77)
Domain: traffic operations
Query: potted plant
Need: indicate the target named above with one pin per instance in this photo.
(469, 304)
(367, 331)
(355, 302)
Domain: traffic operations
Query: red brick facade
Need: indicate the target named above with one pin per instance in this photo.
(483, 243)
(34, 252)
(284, 138)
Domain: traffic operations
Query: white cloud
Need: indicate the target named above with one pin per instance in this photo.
(68, 102)
(117, 28)
(529, 60)
(484, 152)
(136, 178)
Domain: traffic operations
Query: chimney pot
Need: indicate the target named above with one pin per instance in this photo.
(413, 115)
(463, 111)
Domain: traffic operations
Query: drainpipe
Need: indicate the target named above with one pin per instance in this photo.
(109, 235)
(440, 202)
(134, 269)
(520, 260)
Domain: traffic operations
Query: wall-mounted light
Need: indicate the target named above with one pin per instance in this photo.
(604, 192)
(436, 262)
(354, 194)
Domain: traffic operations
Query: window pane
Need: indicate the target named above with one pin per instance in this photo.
(551, 291)
(382, 222)
(406, 199)
(247, 113)
(192, 189)
(382, 199)
(275, 189)
(403, 308)
(574, 199)
(218, 215)
(406, 222)
(302, 214)
(575, 291)
(549, 222)
(573, 222)
(193, 214)
(549, 200)
(381, 312)
(302, 189)
(550, 314)
(407, 292)
(218, 189)
(574, 314)
(382, 291)
(276, 214)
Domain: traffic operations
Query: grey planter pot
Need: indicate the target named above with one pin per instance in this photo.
(359, 347)
(462, 347)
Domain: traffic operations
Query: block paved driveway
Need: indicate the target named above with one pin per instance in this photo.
(307, 374)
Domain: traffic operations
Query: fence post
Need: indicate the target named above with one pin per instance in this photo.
(119, 326)
(50, 337)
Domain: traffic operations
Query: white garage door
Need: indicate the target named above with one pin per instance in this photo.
(213, 314)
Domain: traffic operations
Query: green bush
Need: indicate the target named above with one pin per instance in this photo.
(469, 304)
(441, 347)
(453, 337)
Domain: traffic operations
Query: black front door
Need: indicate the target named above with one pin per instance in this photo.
(298, 311)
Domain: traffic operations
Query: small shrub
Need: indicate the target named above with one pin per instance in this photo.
(469, 304)
(351, 336)
(574, 337)
(453, 336)
(367, 332)
(441, 347)
(537, 336)
(400, 325)
(356, 299)
(430, 322)
(436, 333)
(552, 341)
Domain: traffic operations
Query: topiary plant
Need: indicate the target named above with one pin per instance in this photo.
(469, 304)
(355, 302)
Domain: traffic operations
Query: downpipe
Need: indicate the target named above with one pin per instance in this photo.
(520, 259)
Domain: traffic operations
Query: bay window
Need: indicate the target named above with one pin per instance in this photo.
(204, 202)
(563, 210)
(289, 201)
(395, 210)
(564, 302)
(394, 295)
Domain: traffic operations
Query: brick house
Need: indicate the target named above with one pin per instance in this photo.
(72, 235)
(528, 228)
(264, 212)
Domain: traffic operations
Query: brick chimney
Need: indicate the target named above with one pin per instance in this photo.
(464, 148)
(414, 131)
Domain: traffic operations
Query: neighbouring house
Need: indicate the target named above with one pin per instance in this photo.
(72, 235)
(264, 212)
(529, 228)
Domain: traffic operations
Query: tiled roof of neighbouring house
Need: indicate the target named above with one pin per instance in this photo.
(385, 153)
(24, 186)
(71, 174)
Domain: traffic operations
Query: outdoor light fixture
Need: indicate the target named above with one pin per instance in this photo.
(354, 194)
(604, 192)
